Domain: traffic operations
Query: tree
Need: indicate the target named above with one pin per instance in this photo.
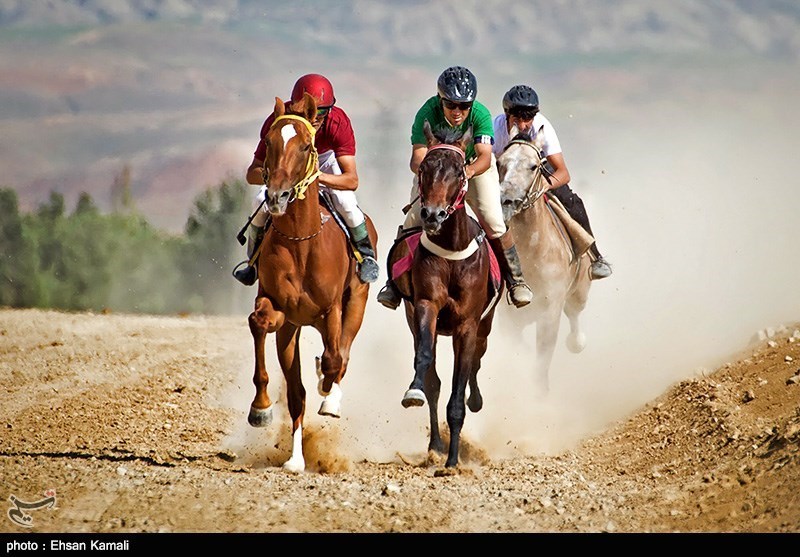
(212, 250)
(19, 286)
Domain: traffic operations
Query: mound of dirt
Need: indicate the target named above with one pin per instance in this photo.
(123, 420)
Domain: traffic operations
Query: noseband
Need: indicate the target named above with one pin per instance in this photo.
(312, 169)
(458, 202)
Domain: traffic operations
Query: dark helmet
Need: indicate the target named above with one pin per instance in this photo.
(520, 96)
(457, 84)
(317, 86)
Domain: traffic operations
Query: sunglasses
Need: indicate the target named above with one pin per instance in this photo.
(450, 105)
(323, 111)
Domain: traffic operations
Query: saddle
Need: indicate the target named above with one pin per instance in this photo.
(325, 199)
(401, 257)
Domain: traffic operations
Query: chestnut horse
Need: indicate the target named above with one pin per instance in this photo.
(306, 276)
(452, 290)
(557, 273)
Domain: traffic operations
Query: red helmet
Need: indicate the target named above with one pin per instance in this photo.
(317, 86)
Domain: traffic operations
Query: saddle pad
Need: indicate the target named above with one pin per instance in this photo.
(580, 240)
(403, 264)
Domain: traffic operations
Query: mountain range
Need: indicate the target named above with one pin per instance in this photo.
(176, 90)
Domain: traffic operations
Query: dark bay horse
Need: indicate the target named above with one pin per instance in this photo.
(452, 290)
(306, 276)
(556, 268)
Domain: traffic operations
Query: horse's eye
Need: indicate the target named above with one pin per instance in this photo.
(306, 147)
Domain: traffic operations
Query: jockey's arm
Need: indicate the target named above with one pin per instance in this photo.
(560, 174)
(482, 161)
(254, 172)
(347, 180)
(418, 152)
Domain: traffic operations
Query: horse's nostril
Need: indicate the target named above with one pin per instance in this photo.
(424, 212)
(441, 215)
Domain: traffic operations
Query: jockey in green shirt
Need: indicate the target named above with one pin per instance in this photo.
(455, 107)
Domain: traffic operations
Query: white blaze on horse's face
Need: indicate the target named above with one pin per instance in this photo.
(287, 132)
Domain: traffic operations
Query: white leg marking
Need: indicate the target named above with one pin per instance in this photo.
(297, 463)
(332, 404)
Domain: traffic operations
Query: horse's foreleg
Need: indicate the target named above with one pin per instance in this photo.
(263, 320)
(287, 341)
(433, 387)
(330, 364)
(574, 305)
(475, 400)
(464, 344)
(352, 318)
(547, 326)
(425, 313)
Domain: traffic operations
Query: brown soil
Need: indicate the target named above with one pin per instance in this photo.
(131, 421)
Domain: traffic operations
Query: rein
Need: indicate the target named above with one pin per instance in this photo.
(312, 170)
(458, 202)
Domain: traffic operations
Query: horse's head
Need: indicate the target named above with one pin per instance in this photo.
(442, 181)
(290, 165)
(520, 168)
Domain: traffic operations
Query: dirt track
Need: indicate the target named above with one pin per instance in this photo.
(129, 419)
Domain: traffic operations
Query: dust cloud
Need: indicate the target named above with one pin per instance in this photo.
(693, 204)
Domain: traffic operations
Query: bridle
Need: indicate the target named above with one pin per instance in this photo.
(458, 202)
(311, 174)
(534, 190)
(312, 164)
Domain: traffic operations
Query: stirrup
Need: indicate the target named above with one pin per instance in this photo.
(247, 275)
(368, 269)
(388, 296)
(600, 269)
(520, 294)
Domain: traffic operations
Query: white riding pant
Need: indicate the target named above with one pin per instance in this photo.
(483, 197)
(344, 202)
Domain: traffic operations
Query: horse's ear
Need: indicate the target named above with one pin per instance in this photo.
(310, 109)
(426, 127)
(513, 131)
(280, 108)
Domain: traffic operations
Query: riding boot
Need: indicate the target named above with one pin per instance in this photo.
(389, 296)
(247, 274)
(574, 205)
(368, 268)
(506, 252)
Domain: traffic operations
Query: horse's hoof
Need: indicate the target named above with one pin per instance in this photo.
(576, 342)
(447, 471)
(413, 397)
(332, 403)
(329, 408)
(260, 417)
(475, 402)
(295, 465)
